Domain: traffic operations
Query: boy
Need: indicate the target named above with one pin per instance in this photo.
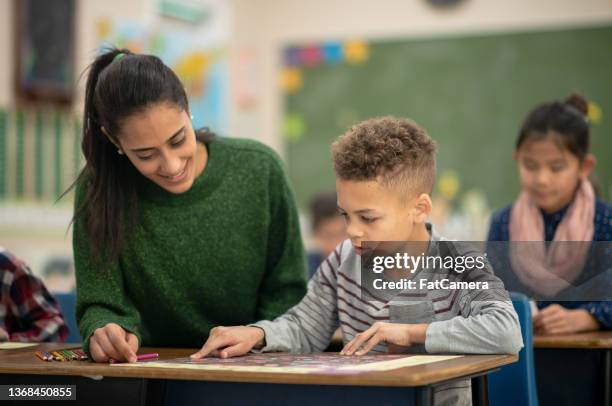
(385, 170)
(328, 228)
(28, 312)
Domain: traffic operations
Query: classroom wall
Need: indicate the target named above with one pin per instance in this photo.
(265, 26)
(37, 230)
(6, 40)
(88, 12)
(262, 27)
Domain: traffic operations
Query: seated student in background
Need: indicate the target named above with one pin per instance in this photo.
(328, 228)
(557, 203)
(28, 312)
(385, 170)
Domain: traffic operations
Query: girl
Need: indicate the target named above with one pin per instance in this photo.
(557, 203)
(175, 230)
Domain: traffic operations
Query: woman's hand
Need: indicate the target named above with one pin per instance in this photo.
(402, 335)
(112, 341)
(4, 335)
(231, 341)
(556, 319)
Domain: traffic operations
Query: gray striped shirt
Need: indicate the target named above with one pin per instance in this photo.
(460, 321)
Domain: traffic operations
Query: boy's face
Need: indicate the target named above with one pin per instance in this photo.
(377, 213)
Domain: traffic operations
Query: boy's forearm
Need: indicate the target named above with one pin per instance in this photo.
(493, 329)
(417, 332)
(261, 342)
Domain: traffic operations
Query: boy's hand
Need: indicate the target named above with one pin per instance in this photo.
(556, 319)
(397, 334)
(112, 341)
(231, 341)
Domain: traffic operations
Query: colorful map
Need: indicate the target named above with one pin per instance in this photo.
(293, 363)
(202, 65)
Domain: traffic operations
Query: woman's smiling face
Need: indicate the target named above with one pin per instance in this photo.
(161, 144)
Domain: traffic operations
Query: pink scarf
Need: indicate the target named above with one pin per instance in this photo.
(549, 271)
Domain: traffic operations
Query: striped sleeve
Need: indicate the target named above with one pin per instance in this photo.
(486, 322)
(309, 325)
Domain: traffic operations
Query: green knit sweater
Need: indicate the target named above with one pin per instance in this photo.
(226, 252)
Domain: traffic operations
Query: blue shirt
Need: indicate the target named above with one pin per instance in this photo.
(499, 231)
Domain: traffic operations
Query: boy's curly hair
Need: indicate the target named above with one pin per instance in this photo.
(395, 151)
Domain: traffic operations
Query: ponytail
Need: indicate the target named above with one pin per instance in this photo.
(119, 84)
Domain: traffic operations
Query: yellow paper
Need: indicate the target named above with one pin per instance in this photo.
(356, 51)
(291, 80)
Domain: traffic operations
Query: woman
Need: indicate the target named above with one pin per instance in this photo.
(175, 231)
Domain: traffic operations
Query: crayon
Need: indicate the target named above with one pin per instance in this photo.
(140, 357)
(81, 354)
(41, 356)
(143, 357)
(66, 354)
(57, 356)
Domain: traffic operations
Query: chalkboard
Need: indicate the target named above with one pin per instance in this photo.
(45, 51)
(471, 93)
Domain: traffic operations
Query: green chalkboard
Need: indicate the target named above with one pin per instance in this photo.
(470, 93)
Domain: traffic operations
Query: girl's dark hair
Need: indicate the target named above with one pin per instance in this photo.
(120, 83)
(568, 118)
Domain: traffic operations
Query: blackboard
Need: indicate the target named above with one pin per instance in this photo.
(470, 92)
(45, 50)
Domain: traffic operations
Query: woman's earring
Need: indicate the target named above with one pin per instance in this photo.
(191, 116)
(119, 151)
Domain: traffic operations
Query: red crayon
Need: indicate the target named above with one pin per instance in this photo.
(81, 354)
(140, 357)
(143, 357)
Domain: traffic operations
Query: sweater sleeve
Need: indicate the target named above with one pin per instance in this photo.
(284, 282)
(602, 311)
(101, 294)
(487, 323)
(309, 325)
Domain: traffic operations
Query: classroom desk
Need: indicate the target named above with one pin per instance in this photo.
(151, 386)
(590, 357)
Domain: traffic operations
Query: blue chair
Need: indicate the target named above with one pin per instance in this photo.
(515, 384)
(67, 303)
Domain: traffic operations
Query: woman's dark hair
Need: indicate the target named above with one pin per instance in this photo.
(567, 118)
(119, 84)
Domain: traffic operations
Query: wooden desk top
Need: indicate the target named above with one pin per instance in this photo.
(25, 362)
(590, 340)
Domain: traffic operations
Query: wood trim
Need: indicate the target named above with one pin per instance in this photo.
(591, 340)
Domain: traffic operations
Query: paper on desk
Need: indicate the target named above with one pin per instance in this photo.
(401, 363)
(10, 345)
(408, 361)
